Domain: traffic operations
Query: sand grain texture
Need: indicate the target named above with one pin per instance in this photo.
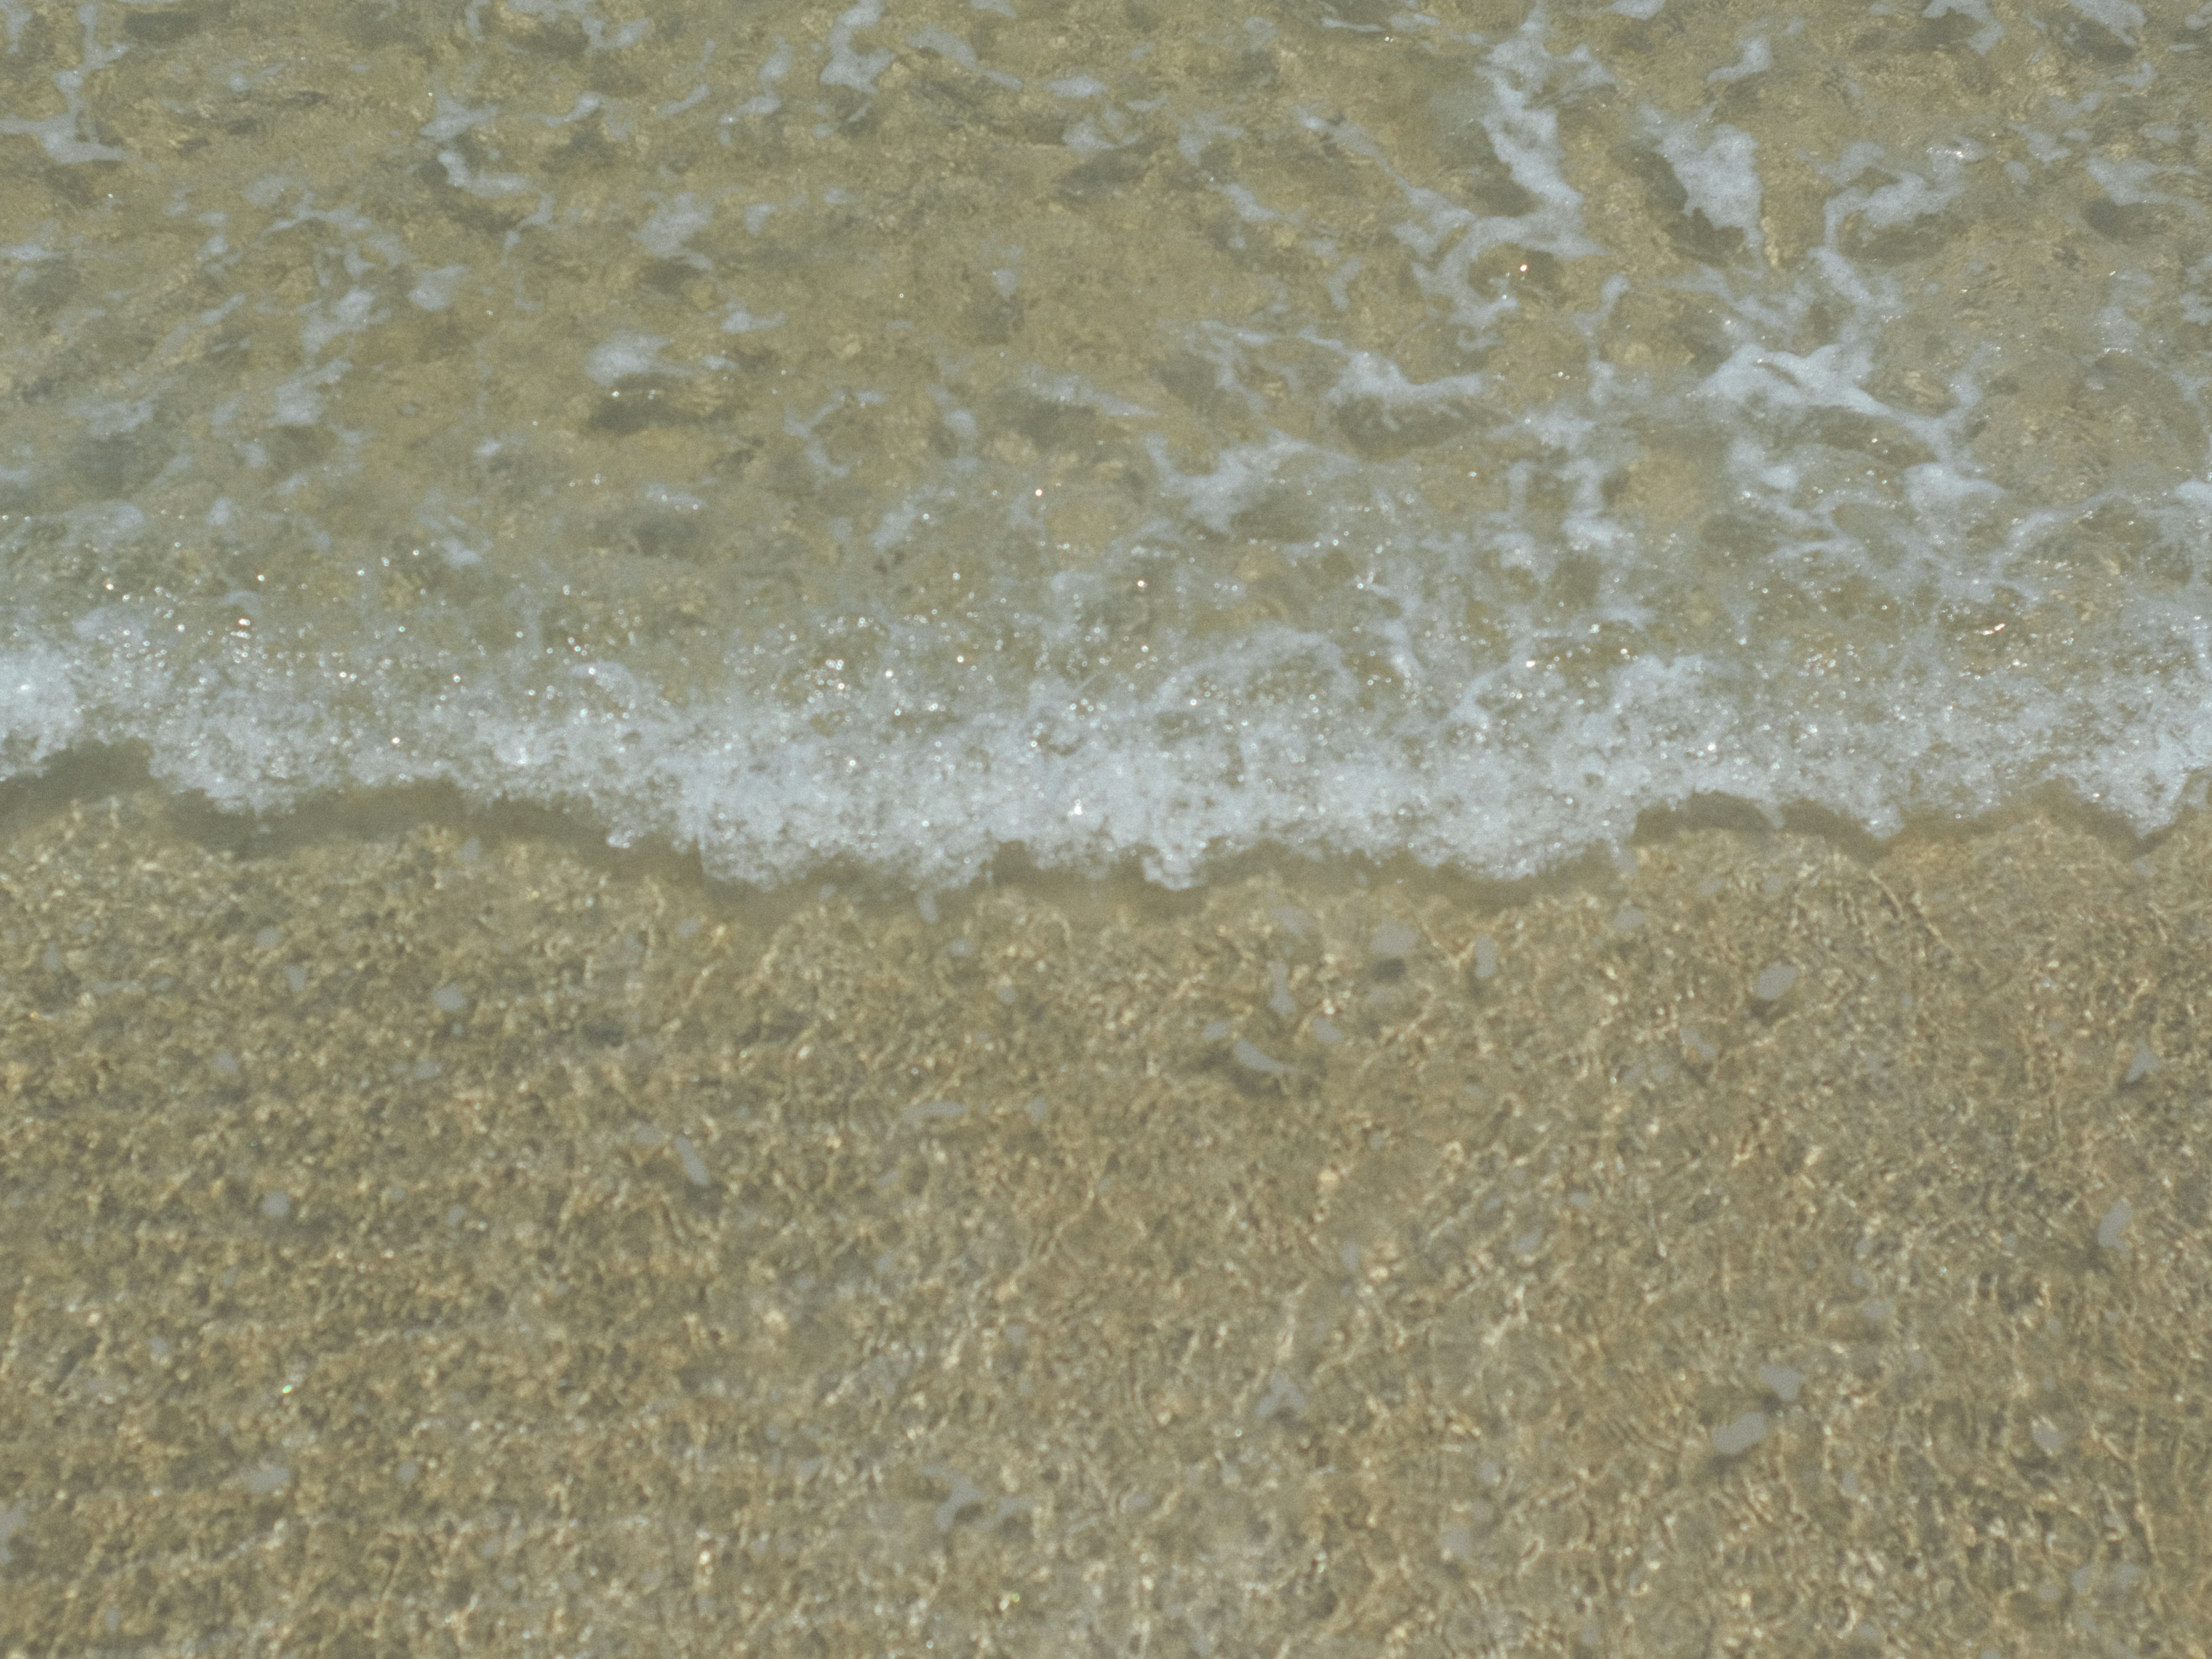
(449, 1241)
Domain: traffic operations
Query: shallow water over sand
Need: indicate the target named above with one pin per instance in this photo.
(900, 432)
(451, 1240)
(1253, 667)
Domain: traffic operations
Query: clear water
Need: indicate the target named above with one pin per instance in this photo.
(895, 433)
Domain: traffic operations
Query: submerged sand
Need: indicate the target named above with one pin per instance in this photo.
(438, 1236)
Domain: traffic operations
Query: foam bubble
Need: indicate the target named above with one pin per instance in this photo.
(1716, 169)
(849, 67)
(671, 226)
(626, 355)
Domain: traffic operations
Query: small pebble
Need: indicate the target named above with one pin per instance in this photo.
(1254, 1058)
(930, 1111)
(1774, 981)
(1393, 941)
(1734, 1440)
(2112, 1230)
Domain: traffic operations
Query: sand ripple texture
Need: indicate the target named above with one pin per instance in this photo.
(446, 1242)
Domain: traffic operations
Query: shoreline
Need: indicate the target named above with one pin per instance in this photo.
(100, 772)
(431, 1238)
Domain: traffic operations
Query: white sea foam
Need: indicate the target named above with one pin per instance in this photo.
(1717, 171)
(2122, 17)
(1504, 776)
(849, 67)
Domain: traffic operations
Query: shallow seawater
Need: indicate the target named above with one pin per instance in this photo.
(1020, 827)
(897, 432)
(449, 1238)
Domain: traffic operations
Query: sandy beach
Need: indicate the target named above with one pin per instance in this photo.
(1255, 467)
(434, 1234)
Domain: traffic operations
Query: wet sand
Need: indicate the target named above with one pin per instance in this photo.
(443, 1237)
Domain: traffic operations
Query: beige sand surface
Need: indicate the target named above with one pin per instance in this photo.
(440, 1237)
